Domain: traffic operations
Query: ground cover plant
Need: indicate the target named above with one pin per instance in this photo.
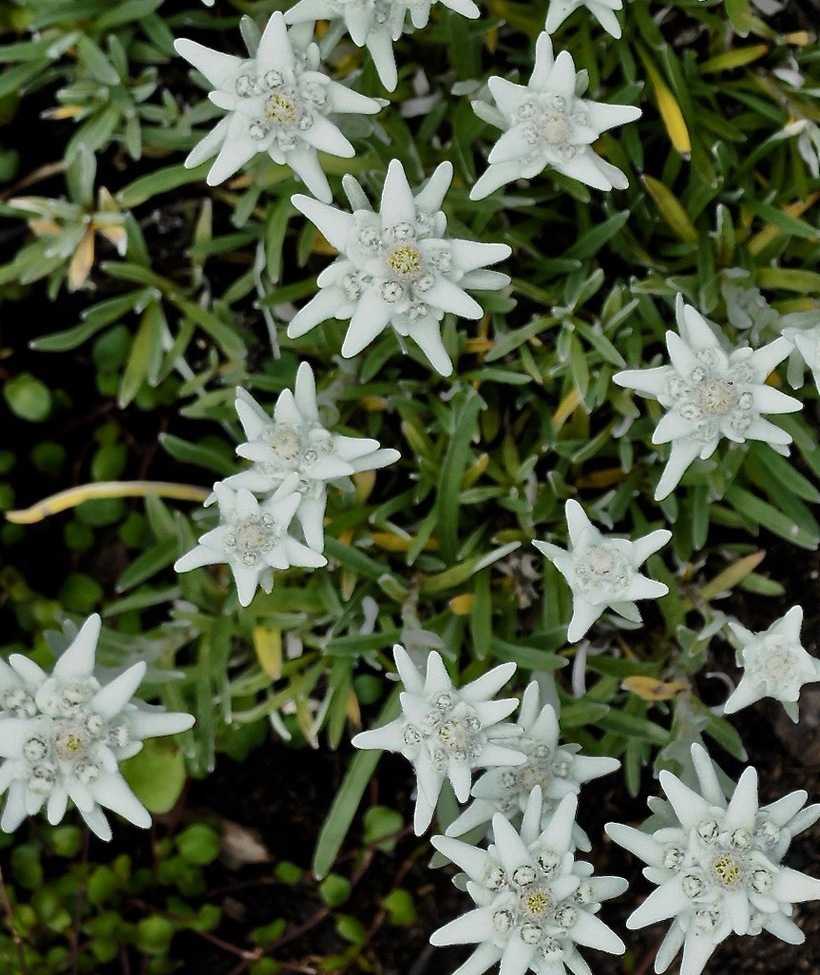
(426, 381)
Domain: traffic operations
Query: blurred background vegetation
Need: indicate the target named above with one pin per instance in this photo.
(133, 299)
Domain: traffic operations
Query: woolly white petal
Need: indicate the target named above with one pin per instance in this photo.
(470, 928)
(111, 699)
(77, 661)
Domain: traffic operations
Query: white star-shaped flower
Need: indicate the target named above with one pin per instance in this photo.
(375, 24)
(710, 393)
(535, 905)
(548, 123)
(63, 735)
(602, 571)
(602, 10)
(293, 447)
(718, 867)
(775, 664)
(253, 539)
(558, 771)
(445, 732)
(805, 342)
(277, 102)
(397, 267)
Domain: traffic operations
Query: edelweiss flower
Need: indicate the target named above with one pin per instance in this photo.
(375, 24)
(253, 539)
(602, 572)
(278, 102)
(775, 664)
(548, 123)
(602, 10)
(446, 732)
(558, 771)
(718, 868)
(62, 737)
(534, 904)
(293, 448)
(709, 393)
(396, 267)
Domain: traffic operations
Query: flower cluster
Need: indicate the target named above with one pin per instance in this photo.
(718, 865)
(535, 905)
(557, 770)
(710, 393)
(375, 24)
(64, 734)
(277, 102)
(397, 267)
(547, 123)
(602, 572)
(293, 459)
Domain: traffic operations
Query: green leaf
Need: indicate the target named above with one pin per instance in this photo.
(344, 807)
(157, 775)
(452, 474)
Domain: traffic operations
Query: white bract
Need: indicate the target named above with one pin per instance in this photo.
(63, 735)
(548, 123)
(603, 571)
(397, 267)
(775, 664)
(602, 10)
(718, 865)
(375, 24)
(253, 538)
(445, 732)
(293, 450)
(805, 342)
(710, 393)
(535, 905)
(277, 102)
(557, 770)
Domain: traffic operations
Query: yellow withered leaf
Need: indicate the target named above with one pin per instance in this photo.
(668, 106)
(82, 261)
(364, 481)
(267, 643)
(652, 689)
(462, 605)
(568, 405)
(671, 209)
(732, 575)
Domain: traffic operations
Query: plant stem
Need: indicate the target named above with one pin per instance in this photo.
(71, 497)
(9, 912)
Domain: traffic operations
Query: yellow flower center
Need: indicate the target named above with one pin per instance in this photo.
(405, 261)
(727, 870)
(281, 110)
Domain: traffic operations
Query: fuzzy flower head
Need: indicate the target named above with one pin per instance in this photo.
(709, 393)
(718, 867)
(253, 538)
(602, 571)
(547, 123)
(446, 732)
(63, 735)
(775, 664)
(375, 24)
(602, 10)
(535, 905)
(277, 102)
(398, 266)
(293, 448)
(558, 771)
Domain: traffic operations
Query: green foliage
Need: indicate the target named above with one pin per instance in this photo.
(136, 300)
